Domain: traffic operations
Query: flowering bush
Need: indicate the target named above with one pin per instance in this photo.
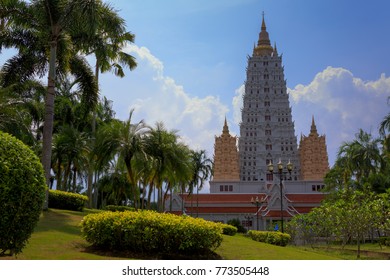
(148, 231)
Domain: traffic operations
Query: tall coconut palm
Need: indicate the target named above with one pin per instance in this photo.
(202, 168)
(125, 140)
(47, 35)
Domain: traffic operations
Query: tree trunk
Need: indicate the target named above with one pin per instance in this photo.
(90, 164)
(151, 185)
(49, 115)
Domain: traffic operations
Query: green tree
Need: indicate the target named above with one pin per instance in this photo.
(202, 168)
(48, 35)
(125, 140)
(170, 160)
(361, 157)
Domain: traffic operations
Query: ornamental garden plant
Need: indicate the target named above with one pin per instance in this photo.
(151, 232)
(22, 193)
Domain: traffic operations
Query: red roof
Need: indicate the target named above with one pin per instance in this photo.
(306, 198)
(222, 198)
(246, 198)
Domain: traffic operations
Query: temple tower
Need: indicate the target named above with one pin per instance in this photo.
(267, 129)
(226, 157)
(313, 155)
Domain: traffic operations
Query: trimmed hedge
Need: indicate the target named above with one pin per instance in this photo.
(67, 200)
(116, 208)
(148, 231)
(229, 229)
(22, 193)
(270, 237)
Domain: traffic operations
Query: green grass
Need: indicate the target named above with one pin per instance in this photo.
(57, 237)
(240, 247)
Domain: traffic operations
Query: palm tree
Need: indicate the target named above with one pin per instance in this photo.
(361, 157)
(124, 140)
(170, 161)
(71, 151)
(202, 168)
(47, 35)
(21, 111)
(109, 56)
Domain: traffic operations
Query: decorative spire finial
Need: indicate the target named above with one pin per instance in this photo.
(225, 129)
(313, 129)
(263, 44)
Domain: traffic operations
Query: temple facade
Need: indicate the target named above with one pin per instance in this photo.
(267, 130)
(262, 177)
(313, 155)
(226, 157)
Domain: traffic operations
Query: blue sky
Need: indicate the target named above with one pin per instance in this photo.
(192, 57)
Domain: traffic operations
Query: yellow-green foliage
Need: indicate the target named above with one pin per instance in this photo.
(271, 237)
(148, 231)
(22, 192)
(67, 200)
(118, 208)
(229, 229)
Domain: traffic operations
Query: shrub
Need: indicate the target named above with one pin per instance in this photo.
(148, 231)
(116, 208)
(66, 200)
(236, 223)
(270, 237)
(22, 193)
(229, 229)
(384, 240)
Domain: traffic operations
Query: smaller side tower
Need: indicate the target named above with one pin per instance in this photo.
(226, 165)
(313, 155)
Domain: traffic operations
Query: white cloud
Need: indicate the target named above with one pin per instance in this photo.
(157, 97)
(238, 104)
(341, 104)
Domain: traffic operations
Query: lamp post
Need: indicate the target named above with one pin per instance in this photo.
(281, 172)
(248, 218)
(257, 203)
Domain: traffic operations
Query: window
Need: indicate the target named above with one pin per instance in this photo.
(270, 177)
(246, 223)
(221, 188)
(268, 147)
(230, 188)
(268, 132)
(267, 118)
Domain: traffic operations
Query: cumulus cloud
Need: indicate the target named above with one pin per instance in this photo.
(340, 103)
(160, 98)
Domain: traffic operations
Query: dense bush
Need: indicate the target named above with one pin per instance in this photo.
(22, 193)
(229, 229)
(116, 208)
(236, 223)
(384, 240)
(147, 231)
(67, 200)
(271, 237)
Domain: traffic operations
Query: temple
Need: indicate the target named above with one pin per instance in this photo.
(262, 177)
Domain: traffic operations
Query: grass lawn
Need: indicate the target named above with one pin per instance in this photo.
(57, 237)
